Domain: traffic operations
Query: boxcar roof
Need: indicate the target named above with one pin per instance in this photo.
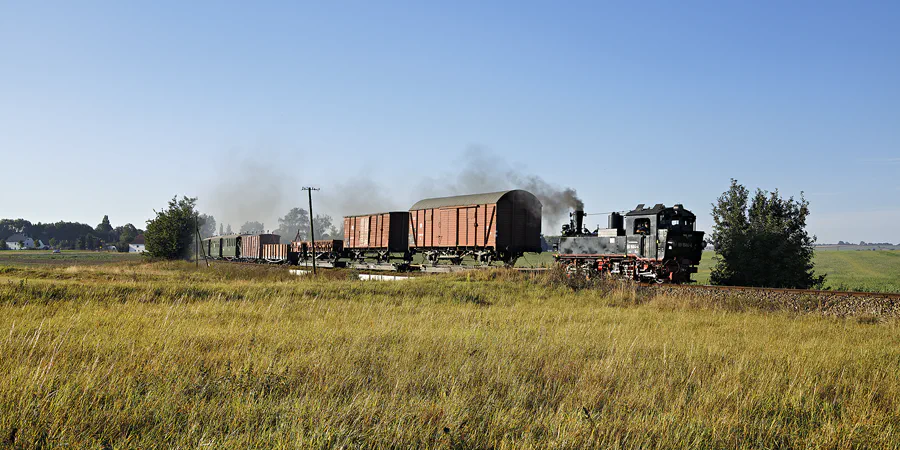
(460, 200)
(376, 213)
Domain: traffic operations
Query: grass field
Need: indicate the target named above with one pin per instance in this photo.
(136, 355)
(875, 271)
(66, 257)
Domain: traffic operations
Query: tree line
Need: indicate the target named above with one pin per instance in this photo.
(72, 235)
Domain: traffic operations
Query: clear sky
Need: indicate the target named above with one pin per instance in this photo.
(114, 107)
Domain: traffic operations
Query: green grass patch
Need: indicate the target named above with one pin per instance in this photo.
(66, 257)
(871, 271)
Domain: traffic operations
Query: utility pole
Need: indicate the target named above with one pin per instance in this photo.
(312, 232)
(197, 240)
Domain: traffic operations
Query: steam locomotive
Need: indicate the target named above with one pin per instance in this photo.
(646, 244)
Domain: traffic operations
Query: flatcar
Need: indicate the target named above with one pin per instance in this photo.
(646, 244)
(322, 250)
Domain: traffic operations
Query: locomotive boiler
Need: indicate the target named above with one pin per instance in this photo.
(646, 244)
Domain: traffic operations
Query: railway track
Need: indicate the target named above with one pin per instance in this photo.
(808, 292)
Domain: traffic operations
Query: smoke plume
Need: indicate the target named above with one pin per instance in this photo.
(248, 190)
(360, 194)
(482, 171)
(254, 189)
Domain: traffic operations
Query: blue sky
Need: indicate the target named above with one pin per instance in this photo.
(114, 107)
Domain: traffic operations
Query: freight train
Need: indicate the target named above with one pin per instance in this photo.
(646, 244)
(495, 226)
(658, 243)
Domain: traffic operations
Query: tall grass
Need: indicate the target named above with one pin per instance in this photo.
(164, 355)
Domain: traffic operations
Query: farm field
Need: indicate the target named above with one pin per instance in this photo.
(66, 257)
(147, 355)
(875, 271)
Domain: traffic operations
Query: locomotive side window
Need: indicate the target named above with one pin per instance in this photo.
(642, 226)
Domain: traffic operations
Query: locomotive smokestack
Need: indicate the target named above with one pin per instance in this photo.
(579, 220)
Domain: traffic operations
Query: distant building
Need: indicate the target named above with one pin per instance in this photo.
(19, 241)
(137, 245)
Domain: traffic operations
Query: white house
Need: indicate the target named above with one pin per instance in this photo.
(137, 246)
(19, 241)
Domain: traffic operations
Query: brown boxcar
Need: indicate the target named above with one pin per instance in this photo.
(252, 245)
(379, 232)
(504, 224)
(276, 252)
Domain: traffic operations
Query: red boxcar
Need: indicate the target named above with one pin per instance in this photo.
(252, 245)
(379, 232)
(497, 224)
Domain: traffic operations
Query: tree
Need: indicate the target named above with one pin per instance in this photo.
(90, 242)
(3, 245)
(104, 230)
(53, 243)
(207, 225)
(764, 243)
(79, 243)
(296, 220)
(324, 229)
(228, 229)
(252, 228)
(221, 230)
(127, 233)
(170, 235)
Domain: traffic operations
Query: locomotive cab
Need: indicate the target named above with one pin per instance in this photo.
(663, 233)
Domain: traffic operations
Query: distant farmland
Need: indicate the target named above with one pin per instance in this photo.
(874, 271)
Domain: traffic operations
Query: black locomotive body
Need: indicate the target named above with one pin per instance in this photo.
(647, 244)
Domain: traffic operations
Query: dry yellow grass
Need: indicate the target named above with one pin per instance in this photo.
(163, 356)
